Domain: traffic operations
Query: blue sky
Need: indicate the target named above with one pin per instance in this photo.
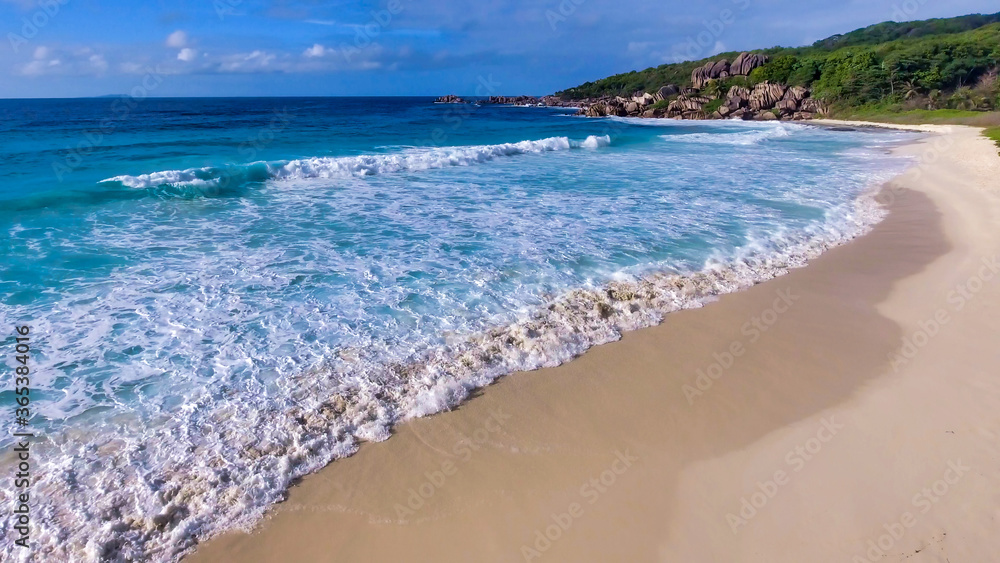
(68, 48)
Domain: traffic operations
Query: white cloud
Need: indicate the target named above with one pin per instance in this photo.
(98, 63)
(248, 62)
(316, 50)
(177, 39)
(41, 52)
(639, 47)
(39, 67)
(187, 54)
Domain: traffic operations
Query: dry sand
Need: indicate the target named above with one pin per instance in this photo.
(862, 425)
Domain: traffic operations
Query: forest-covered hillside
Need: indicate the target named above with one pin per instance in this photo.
(940, 63)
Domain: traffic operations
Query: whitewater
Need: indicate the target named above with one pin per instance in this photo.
(211, 327)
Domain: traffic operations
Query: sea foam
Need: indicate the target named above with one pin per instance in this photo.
(219, 350)
(411, 160)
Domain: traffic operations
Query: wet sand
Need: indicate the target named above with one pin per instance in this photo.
(848, 411)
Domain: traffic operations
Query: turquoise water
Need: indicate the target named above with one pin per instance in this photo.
(228, 294)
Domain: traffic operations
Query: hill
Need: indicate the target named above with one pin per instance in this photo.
(913, 65)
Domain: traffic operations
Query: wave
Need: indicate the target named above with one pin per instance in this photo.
(410, 160)
(737, 138)
(205, 474)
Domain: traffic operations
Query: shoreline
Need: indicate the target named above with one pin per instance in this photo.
(545, 432)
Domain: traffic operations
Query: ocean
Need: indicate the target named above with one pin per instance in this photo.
(227, 294)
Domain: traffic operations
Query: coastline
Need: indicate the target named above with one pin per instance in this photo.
(679, 463)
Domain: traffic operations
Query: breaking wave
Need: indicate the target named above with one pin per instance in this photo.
(738, 138)
(410, 160)
(201, 473)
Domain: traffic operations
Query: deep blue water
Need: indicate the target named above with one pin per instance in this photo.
(226, 294)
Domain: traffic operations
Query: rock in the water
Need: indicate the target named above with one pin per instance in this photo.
(632, 107)
(513, 100)
(449, 99)
(767, 116)
(803, 116)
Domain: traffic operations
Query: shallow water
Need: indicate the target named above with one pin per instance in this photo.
(228, 294)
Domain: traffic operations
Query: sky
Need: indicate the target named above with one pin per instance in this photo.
(74, 48)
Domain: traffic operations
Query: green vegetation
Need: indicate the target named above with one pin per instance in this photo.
(994, 134)
(888, 68)
(891, 31)
(913, 117)
(713, 106)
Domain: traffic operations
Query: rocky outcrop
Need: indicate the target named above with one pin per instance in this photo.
(685, 104)
(765, 95)
(739, 92)
(701, 75)
(797, 93)
(765, 101)
(513, 100)
(745, 63)
(644, 99)
(722, 69)
(710, 71)
(548, 101)
(786, 107)
(666, 92)
(814, 106)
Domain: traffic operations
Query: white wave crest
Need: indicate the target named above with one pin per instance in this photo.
(191, 177)
(738, 138)
(410, 160)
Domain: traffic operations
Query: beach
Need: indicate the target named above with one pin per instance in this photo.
(847, 411)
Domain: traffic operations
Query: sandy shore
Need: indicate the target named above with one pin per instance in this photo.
(849, 411)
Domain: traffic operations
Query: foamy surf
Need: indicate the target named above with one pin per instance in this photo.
(738, 138)
(410, 160)
(201, 355)
(204, 474)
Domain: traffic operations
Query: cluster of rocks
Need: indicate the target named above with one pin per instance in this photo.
(769, 101)
(547, 101)
(513, 100)
(764, 101)
(722, 69)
